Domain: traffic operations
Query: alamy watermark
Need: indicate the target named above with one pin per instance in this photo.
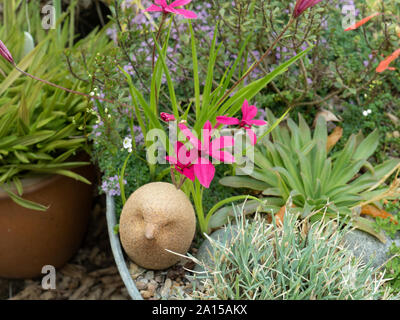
(49, 280)
(49, 16)
(350, 12)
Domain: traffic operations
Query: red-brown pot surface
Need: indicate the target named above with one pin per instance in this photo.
(32, 239)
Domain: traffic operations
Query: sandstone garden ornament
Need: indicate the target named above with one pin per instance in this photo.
(156, 217)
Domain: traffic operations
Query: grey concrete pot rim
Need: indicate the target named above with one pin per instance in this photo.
(118, 253)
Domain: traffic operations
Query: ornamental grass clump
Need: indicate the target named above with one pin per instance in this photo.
(295, 262)
(295, 165)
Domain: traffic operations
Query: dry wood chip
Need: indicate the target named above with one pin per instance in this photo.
(111, 279)
(95, 293)
(87, 282)
(107, 293)
(73, 271)
(102, 272)
(32, 291)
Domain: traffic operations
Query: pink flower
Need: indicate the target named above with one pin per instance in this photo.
(248, 114)
(203, 169)
(183, 161)
(5, 53)
(303, 5)
(167, 117)
(171, 8)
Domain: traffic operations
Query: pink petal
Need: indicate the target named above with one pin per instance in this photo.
(249, 112)
(222, 142)
(204, 172)
(153, 8)
(189, 173)
(207, 126)
(185, 156)
(170, 10)
(227, 120)
(245, 106)
(187, 13)
(258, 122)
(216, 149)
(252, 136)
(179, 3)
(206, 135)
(192, 138)
(171, 160)
(224, 156)
(162, 3)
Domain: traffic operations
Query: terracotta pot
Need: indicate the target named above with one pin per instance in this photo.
(32, 239)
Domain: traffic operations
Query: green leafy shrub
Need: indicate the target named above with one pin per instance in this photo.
(295, 165)
(392, 228)
(41, 128)
(392, 268)
(294, 263)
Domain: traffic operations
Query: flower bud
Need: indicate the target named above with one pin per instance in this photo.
(167, 117)
(5, 53)
(303, 5)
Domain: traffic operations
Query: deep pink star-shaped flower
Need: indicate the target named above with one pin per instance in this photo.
(195, 163)
(163, 6)
(248, 114)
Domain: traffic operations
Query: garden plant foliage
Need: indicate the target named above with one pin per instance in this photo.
(296, 262)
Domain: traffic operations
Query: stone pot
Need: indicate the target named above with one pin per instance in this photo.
(32, 239)
(118, 253)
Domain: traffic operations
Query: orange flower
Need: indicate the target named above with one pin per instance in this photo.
(361, 22)
(385, 63)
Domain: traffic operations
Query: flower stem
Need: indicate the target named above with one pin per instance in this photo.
(181, 182)
(266, 53)
(164, 17)
(66, 89)
(173, 177)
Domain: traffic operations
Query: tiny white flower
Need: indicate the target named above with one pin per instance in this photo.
(91, 94)
(365, 113)
(128, 144)
(369, 111)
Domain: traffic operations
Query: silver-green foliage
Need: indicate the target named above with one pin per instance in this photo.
(294, 163)
(265, 262)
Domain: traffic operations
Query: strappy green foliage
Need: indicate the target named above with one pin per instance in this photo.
(40, 127)
(293, 164)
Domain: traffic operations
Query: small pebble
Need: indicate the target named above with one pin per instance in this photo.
(146, 294)
(141, 285)
(154, 282)
(165, 290)
(135, 270)
(149, 275)
(151, 288)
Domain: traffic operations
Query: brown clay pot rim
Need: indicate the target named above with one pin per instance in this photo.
(32, 184)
